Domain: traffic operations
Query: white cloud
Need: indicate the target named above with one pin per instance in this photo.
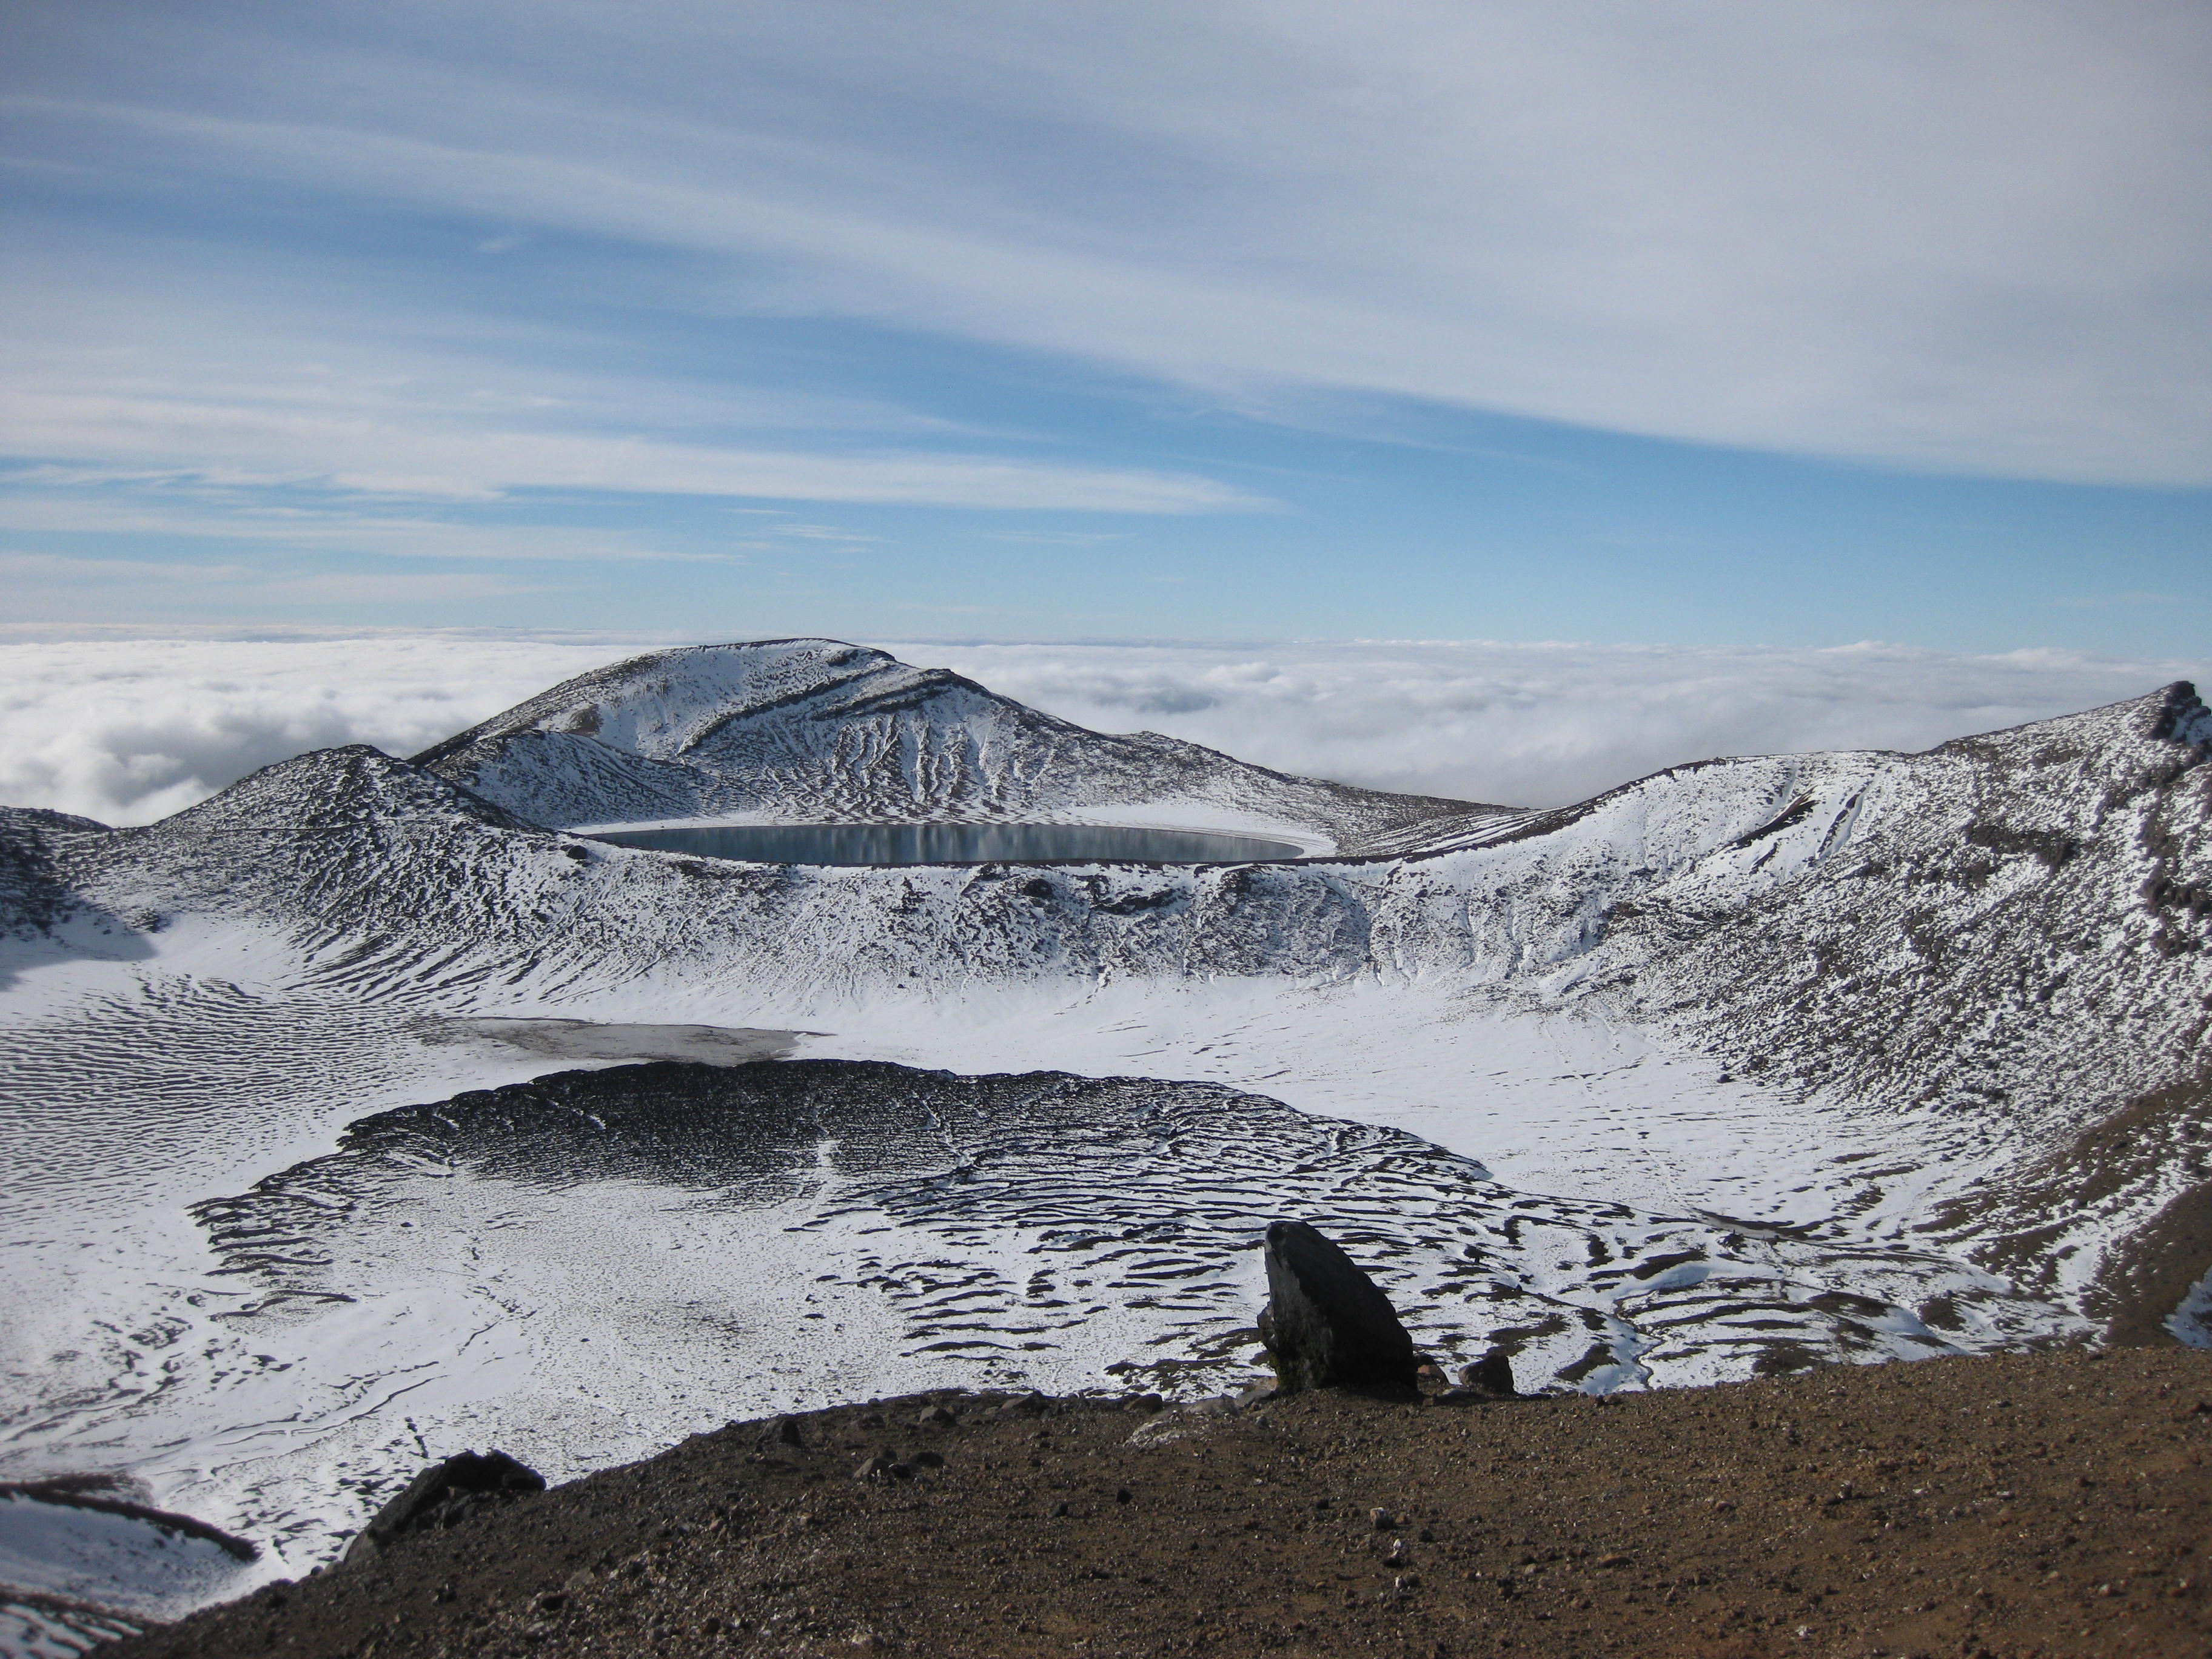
(422, 453)
(85, 588)
(127, 730)
(1977, 236)
(130, 364)
(1538, 724)
(237, 517)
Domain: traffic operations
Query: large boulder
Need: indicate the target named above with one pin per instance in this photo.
(444, 1495)
(1326, 1324)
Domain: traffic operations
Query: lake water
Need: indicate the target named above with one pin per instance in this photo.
(953, 843)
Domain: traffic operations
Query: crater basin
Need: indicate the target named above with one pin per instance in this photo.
(952, 843)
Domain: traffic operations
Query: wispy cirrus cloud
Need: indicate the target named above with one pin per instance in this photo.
(433, 456)
(83, 589)
(174, 508)
(1968, 238)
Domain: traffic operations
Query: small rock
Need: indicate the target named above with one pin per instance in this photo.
(1255, 1393)
(927, 1460)
(935, 1417)
(1492, 1376)
(1031, 1404)
(1058, 1509)
(884, 1466)
(781, 1432)
(445, 1494)
(1173, 1426)
(1383, 1519)
(1121, 1495)
(1326, 1324)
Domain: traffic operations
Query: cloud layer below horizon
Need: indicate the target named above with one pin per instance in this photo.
(129, 730)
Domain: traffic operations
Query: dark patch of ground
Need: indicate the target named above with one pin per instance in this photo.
(2036, 1504)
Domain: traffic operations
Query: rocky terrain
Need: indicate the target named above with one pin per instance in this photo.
(2004, 1507)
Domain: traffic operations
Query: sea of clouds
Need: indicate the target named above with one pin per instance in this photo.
(129, 730)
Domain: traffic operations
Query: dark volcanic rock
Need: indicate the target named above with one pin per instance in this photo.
(1492, 1375)
(445, 1494)
(2095, 1547)
(1326, 1324)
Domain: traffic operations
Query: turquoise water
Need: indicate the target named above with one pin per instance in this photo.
(953, 843)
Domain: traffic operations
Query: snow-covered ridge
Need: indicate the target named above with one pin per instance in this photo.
(819, 730)
(2011, 927)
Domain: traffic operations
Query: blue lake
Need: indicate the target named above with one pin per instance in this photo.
(953, 843)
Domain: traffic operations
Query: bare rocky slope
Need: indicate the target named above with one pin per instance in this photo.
(1997, 1509)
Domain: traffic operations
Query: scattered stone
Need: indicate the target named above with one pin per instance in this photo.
(781, 1432)
(1255, 1393)
(1326, 1324)
(883, 1465)
(1383, 1519)
(444, 1495)
(1031, 1404)
(1058, 1509)
(927, 1460)
(935, 1417)
(1180, 1423)
(1490, 1376)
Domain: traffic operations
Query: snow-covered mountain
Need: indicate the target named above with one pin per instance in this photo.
(822, 731)
(1740, 1065)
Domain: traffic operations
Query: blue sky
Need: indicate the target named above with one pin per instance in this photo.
(1701, 324)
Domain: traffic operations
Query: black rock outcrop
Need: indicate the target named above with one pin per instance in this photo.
(445, 1494)
(1326, 1324)
(1491, 1375)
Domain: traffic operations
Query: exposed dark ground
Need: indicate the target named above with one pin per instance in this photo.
(2045, 1505)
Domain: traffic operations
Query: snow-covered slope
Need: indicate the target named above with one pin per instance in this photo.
(820, 731)
(1912, 1042)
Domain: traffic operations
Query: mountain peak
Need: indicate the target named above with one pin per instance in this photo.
(822, 730)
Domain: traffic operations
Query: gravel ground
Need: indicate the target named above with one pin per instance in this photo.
(2043, 1505)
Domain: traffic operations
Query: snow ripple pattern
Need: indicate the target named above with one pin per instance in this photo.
(1006, 1223)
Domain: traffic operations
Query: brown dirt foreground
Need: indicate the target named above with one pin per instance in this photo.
(2044, 1504)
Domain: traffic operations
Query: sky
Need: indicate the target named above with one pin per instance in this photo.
(1723, 326)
